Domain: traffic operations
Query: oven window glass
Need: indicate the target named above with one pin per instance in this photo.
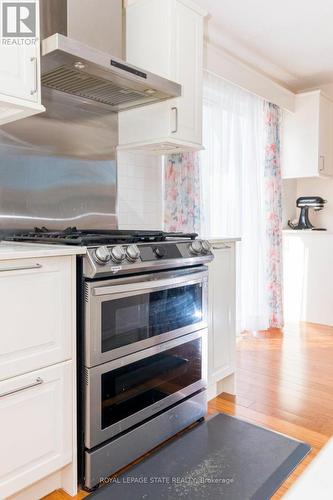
(133, 387)
(138, 317)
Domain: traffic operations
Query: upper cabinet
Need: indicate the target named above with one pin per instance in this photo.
(20, 94)
(166, 38)
(307, 137)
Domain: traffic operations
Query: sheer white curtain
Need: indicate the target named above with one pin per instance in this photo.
(232, 189)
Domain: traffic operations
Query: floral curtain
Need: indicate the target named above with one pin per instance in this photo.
(273, 206)
(182, 193)
(242, 170)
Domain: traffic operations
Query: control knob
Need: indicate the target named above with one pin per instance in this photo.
(159, 252)
(196, 247)
(118, 254)
(102, 255)
(132, 253)
(206, 246)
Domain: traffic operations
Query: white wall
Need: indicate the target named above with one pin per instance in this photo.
(289, 196)
(221, 63)
(140, 191)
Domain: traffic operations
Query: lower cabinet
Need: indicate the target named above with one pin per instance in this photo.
(37, 311)
(222, 314)
(35, 426)
(307, 282)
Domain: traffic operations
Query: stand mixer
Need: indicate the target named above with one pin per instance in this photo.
(305, 203)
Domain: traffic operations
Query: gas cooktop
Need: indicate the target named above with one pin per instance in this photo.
(93, 237)
(116, 251)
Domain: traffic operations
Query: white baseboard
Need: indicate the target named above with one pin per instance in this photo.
(61, 479)
(227, 384)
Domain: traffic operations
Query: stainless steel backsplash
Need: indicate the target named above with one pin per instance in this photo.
(55, 191)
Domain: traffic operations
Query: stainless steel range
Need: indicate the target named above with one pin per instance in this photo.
(143, 336)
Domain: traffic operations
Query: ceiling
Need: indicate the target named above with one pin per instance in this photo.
(290, 41)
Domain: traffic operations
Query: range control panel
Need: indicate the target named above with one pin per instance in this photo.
(122, 258)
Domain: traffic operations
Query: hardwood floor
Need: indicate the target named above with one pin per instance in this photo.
(284, 382)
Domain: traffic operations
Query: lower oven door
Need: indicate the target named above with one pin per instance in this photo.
(125, 315)
(125, 392)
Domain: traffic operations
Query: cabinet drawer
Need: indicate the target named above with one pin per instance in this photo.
(37, 310)
(35, 426)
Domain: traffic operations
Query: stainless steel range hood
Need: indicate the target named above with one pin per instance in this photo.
(81, 70)
(83, 84)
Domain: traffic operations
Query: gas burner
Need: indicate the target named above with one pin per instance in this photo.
(93, 237)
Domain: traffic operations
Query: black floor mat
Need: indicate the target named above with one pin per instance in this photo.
(221, 458)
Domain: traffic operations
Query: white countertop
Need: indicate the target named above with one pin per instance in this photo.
(316, 480)
(306, 232)
(14, 250)
(222, 239)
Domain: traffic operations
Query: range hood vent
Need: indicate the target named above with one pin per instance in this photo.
(82, 71)
(81, 84)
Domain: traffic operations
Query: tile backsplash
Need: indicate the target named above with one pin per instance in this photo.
(140, 191)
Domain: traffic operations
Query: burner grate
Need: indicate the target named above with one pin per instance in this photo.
(74, 236)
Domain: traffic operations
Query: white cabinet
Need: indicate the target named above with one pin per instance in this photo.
(20, 94)
(166, 38)
(37, 313)
(35, 426)
(37, 371)
(307, 281)
(307, 137)
(222, 312)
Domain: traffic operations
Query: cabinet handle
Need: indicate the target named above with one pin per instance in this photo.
(20, 268)
(175, 109)
(35, 89)
(221, 247)
(322, 167)
(38, 381)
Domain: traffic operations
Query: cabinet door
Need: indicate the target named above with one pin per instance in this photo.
(19, 72)
(187, 56)
(325, 137)
(300, 135)
(166, 38)
(35, 426)
(307, 137)
(222, 328)
(20, 69)
(149, 35)
(37, 313)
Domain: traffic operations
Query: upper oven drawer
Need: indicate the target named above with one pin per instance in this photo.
(129, 314)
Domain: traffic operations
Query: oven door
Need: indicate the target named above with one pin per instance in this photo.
(125, 392)
(125, 315)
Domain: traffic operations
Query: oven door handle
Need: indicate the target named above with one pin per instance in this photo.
(150, 285)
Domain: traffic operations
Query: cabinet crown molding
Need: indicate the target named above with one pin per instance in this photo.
(188, 3)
